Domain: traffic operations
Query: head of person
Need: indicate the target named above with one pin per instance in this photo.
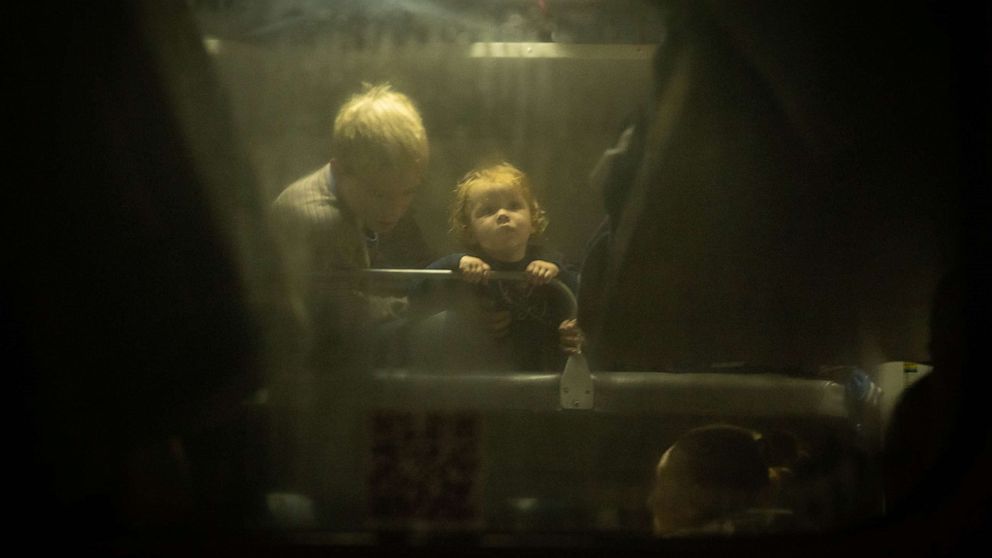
(495, 211)
(708, 474)
(380, 153)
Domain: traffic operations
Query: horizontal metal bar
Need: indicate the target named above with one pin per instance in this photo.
(562, 50)
(477, 391)
(620, 393)
(445, 275)
(756, 395)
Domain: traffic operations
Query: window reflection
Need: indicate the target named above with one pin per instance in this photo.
(728, 273)
(728, 245)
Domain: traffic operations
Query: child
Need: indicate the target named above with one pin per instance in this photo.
(497, 217)
(332, 219)
(716, 480)
(380, 152)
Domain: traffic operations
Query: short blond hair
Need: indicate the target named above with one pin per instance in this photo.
(379, 130)
(500, 173)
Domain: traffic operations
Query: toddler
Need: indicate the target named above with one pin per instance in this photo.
(497, 217)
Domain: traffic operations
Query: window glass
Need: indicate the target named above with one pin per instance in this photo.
(751, 259)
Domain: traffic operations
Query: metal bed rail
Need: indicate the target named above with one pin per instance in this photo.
(574, 384)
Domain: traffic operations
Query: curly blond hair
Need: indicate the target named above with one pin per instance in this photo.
(379, 130)
(501, 173)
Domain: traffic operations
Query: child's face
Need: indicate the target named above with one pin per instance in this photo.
(499, 220)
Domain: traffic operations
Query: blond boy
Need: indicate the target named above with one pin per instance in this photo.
(379, 152)
(331, 219)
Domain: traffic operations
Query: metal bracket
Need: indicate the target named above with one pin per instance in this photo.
(576, 390)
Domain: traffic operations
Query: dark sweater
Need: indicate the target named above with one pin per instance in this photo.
(537, 311)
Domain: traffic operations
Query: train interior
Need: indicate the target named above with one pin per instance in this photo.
(776, 264)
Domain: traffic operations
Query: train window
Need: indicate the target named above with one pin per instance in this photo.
(512, 272)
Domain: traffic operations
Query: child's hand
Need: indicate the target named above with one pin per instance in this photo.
(540, 272)
(570, 337)
(473, 269)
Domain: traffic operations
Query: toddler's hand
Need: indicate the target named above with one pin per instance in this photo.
(539, 272)
(473, 269)
(570, 337)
